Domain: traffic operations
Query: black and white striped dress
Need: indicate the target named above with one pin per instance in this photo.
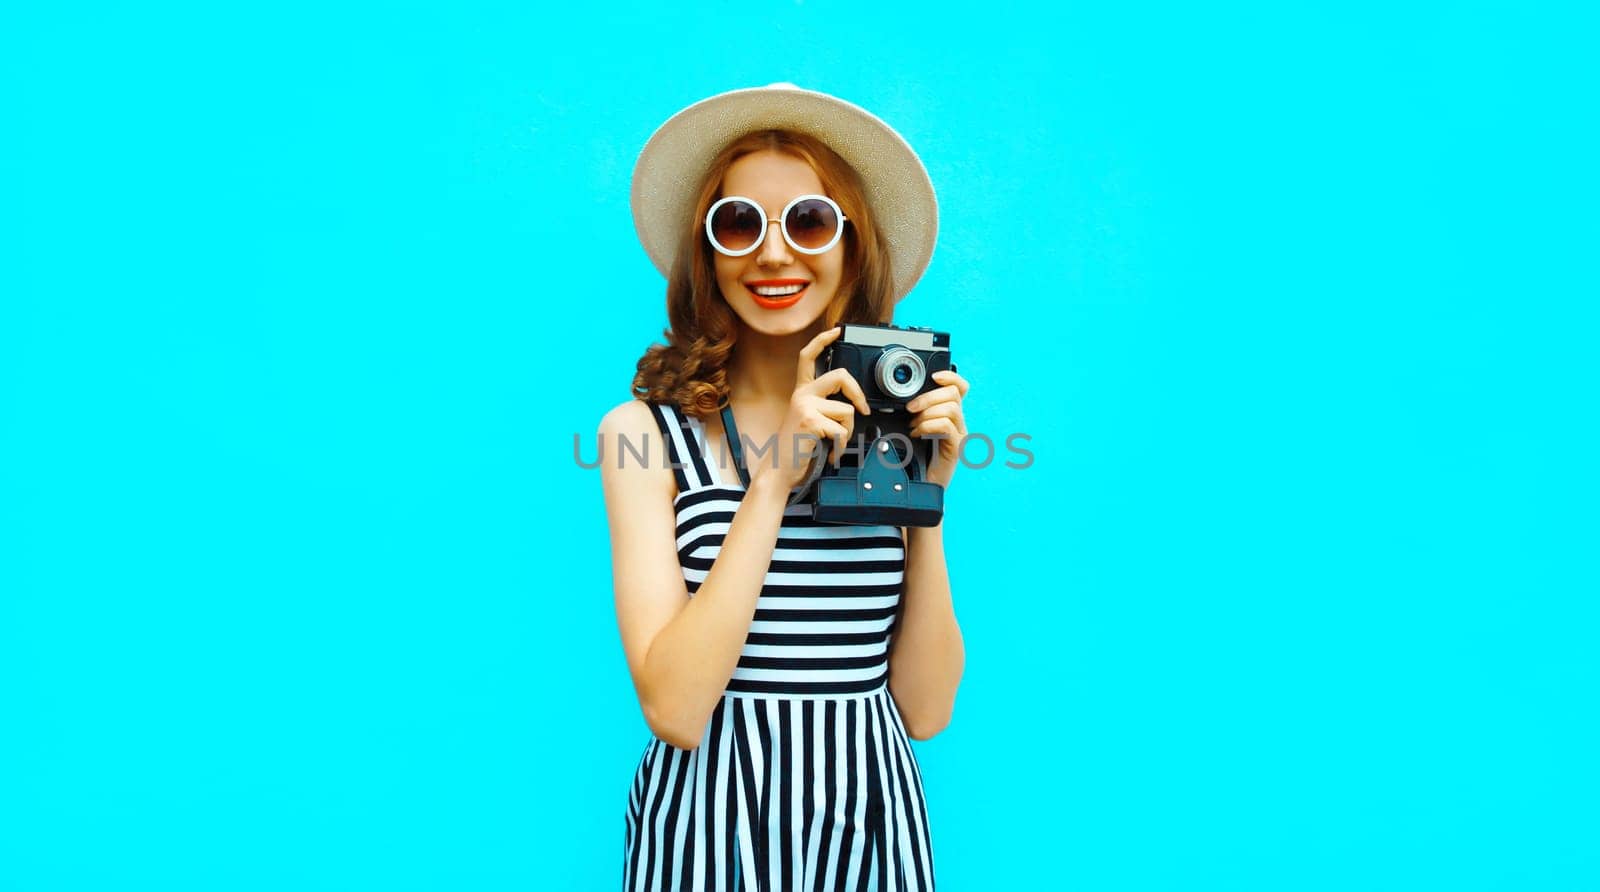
(804, 778)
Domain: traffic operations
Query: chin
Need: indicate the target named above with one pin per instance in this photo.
(783, 328)
(777, 323)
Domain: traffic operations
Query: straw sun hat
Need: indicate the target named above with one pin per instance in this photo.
(674, 160)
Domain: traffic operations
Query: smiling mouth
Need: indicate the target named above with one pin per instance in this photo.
(777, 294)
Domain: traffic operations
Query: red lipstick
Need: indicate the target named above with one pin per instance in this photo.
(777, 302)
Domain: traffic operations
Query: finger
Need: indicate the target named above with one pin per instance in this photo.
(840, 381)
(936, 395)
(841, 442)
(807, 369)
(841, 414)
(828, 429)
(838, 410)
(945, 427)
(939, 410)
(946, 411)
(945, 376)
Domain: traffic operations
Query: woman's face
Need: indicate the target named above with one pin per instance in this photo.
(773, 180)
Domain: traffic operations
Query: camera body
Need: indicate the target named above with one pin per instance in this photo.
(881, 478)
(892, 364)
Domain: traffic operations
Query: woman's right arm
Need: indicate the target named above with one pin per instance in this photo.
(681, 651)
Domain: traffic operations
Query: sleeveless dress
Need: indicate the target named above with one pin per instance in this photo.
(804, 778)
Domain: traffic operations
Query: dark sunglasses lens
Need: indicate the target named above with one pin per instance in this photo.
(812, 223)
(737, 225)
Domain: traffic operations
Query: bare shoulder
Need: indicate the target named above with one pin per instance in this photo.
(632, 421)
(630, 418)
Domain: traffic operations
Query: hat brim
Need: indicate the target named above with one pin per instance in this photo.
(670, 168)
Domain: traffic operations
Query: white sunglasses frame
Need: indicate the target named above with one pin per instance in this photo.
(783, 225)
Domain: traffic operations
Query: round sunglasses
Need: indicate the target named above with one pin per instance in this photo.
(811, 224)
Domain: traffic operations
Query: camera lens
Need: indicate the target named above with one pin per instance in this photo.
(899, 372)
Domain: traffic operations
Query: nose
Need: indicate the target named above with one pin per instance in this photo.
(774, 248)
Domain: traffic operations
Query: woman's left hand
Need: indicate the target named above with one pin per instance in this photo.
(938, 413)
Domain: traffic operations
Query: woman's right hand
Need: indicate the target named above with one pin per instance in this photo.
(812, 417)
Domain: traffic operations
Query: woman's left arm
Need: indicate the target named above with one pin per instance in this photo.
(927, 656)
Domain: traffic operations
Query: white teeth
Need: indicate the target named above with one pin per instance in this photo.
(769, 291)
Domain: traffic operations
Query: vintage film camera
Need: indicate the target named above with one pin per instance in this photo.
(881, 476)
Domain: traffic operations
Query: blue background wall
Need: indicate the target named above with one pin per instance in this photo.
(301, 307)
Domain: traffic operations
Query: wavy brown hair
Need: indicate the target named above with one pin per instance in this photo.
(690, 369)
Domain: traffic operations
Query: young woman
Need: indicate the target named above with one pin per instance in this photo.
(781, 663)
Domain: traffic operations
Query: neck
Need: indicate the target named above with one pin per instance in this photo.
(762, 369)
